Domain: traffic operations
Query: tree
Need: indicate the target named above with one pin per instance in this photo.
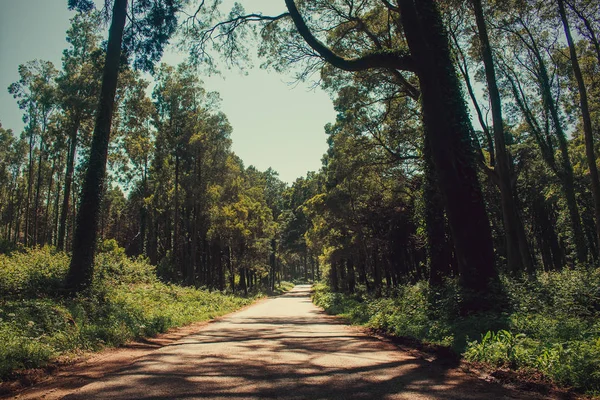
(36, 93)
(79, 88)
(544, 119)
(585, 116)
(518, 255)
(84, 241)
(145, 45)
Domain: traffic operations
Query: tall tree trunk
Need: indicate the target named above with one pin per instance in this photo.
(176, 244)
(448, 130)
(333, 276)
(351, 275)
(518, 254)
(29, 184)
(56, 213)
(38, 189)
(81, 270)
(272, 258)
(230, 269)
(566, 171)
(585, 116)
(439, 260)
(376, 270)
(191, 269)
(62, 228)
(47, 236)
(143, 211)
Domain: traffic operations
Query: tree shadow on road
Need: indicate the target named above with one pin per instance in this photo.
(289, 358)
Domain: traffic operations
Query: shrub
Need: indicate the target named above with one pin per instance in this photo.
(551, 323)
(126, 301)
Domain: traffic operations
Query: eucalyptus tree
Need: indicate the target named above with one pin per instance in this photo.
(530, 73)
(585, 114)
(153, 25)
(79, 86)
(517, 248)
(36, 94)
(11, 162)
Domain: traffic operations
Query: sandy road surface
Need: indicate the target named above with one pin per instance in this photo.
(286, 348)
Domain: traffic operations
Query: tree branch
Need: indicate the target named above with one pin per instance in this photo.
(389, 60)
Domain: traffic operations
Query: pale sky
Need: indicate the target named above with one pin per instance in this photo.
(274, 124)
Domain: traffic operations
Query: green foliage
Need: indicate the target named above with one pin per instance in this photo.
(554, 328)
(553, 325)
(126, 301)
(31, 273)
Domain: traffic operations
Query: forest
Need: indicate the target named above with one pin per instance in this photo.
(458, 202)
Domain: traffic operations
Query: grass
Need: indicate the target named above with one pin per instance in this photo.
(126, 302)
(552, 323)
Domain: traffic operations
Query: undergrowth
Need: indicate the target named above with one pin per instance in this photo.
(551, 324)
(126, 301)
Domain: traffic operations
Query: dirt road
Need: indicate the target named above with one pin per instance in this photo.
(286, 348)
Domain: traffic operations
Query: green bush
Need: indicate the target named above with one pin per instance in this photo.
(33, 272)
(551, 323)
(126, 301)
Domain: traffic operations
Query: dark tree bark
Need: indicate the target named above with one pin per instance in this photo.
(376, 270)
(81, 271)
(62, 229)
(333, 276)
(439, 259)
(29, 184)
(272, 258)
(230, 268)
(585, 116)
(448, 127)
(46, 237)
(351, 276)
(38, 189)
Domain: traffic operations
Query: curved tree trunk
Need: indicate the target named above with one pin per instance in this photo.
(84, 242)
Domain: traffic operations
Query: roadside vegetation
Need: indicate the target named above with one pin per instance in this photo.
(551, 324)
(126, 301)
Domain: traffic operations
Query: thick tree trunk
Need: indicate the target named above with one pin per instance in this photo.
(587, 121)
(439, 260)
(333, 276)
(448, 128)
(81, 270)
